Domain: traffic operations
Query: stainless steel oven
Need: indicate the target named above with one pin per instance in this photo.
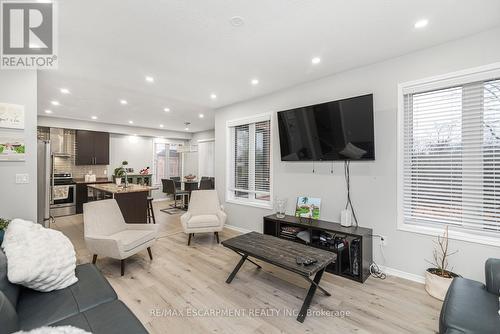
(63, 195)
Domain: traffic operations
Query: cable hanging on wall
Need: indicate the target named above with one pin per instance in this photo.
(347, 173)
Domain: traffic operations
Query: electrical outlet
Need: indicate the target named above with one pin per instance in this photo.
(22, 178)
(383, 240)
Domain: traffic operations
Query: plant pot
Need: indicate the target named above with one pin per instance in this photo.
(437, 285)
(2, 233)
(118, 181)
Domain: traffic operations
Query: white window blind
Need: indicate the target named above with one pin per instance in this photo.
(250, 171)
(451, 157)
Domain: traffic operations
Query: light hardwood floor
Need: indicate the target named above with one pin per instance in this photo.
(192, 279)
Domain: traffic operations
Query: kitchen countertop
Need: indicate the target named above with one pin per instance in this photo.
(114, 189)
(98, 180)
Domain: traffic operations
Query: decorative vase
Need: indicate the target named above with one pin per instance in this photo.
(436, 285)
(280, 208)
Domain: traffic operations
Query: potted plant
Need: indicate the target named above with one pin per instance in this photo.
(438, 278)
(120, 172)
(3, 226)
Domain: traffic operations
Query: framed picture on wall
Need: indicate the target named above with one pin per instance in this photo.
(11, 116)
(12, 146)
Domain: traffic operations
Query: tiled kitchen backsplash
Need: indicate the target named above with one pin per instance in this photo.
(68, 165)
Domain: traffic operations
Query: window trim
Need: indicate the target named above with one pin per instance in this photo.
(169, 142)
(229, 198)
(480, 73)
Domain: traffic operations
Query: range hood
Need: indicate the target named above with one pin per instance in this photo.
(61, 143)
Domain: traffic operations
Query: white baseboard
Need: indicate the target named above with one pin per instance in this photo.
(387, 270)
(238, 229)
(403, 274)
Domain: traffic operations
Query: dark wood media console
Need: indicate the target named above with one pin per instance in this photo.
(358, 249)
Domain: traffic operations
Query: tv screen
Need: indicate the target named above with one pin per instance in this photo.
(337, 130)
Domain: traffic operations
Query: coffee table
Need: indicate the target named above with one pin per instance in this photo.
(282, 253)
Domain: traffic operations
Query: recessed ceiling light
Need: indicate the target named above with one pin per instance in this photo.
(316, 60)
(201, 115)
(213, 96)
(254, 82)
(237, 21)
(150, 79)
(161, 125)
(130, 122)
(94, 117)
(421, 24)
(64, 90)
(166, 109)
(186, 128)
(124, 102)
(55, 103)
(48, 111)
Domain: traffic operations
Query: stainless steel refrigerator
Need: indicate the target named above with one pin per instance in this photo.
(44, 188)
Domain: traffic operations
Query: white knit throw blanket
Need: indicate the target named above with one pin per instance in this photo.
(38, 258)
(55, 330)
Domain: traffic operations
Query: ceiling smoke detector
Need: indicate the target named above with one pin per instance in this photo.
(237, 21)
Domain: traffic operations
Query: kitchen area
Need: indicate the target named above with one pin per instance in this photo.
(72, 164)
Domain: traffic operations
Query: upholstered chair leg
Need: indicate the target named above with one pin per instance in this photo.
(189, 239)
(94, 259)
(150, 254)
(217, 237)
(123, 266)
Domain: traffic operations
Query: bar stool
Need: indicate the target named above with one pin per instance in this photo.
(151, 213)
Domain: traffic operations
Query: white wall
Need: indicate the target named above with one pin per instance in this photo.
(137, 150)
(373, 183)
(19, 200)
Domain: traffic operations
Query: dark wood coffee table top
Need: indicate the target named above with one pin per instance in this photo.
(280, 252)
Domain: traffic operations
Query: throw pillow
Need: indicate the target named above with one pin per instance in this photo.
(38, 258)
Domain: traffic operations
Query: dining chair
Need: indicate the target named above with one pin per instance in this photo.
(205, 183)
(178, 182)
(170, 189)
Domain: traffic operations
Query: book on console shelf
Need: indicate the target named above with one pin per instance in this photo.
(290, 232)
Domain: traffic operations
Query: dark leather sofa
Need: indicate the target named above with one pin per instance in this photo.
(472, 307)
(90, 304)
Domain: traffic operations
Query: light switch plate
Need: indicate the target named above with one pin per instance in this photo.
(22, 178)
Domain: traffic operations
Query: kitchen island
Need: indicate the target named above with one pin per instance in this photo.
(132, 200)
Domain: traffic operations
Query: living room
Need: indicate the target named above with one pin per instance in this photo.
(294, 166)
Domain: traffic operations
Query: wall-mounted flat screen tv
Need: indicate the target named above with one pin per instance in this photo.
(331, 131)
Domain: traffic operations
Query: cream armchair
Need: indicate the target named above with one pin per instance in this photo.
(107, 234)
(204, 214)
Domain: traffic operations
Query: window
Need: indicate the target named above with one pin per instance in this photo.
(450, 171)
(249, 172)
(167, 161)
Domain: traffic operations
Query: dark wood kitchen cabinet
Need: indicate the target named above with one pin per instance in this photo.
(92, 148)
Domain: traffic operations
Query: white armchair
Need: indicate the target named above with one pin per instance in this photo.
(107, 234)
(204, 215)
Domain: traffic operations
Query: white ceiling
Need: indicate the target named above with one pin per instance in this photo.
(107, 47)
